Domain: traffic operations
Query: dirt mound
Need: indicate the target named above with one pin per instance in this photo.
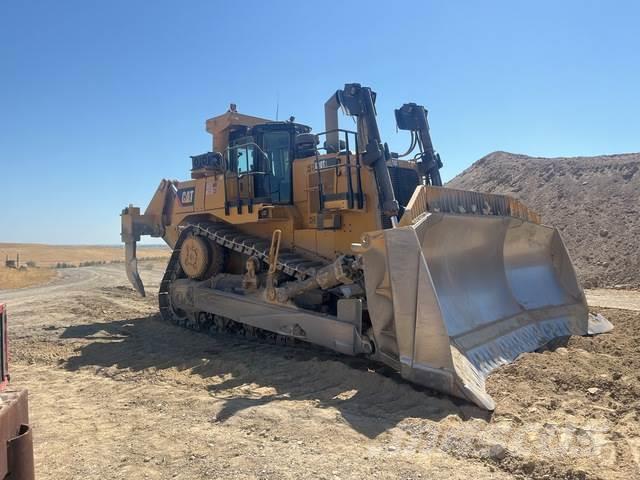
(593, 201)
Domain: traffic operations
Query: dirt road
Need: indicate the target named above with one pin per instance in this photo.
(116, 393)
(624, 299)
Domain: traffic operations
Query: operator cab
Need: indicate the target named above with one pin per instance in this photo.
(259, 159)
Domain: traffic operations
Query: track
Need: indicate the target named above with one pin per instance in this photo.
(290, 263)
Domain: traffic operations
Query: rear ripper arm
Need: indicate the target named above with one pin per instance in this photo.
(151, 223)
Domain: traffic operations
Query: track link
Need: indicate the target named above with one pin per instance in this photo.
(290, 263)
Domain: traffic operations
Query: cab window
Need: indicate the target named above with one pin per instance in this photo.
(277, 146)
(244, 158)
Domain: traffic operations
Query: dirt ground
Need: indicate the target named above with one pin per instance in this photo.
(624, 299)
(116, 393)
(14, 278)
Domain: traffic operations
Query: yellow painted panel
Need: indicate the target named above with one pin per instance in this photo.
(214, 192)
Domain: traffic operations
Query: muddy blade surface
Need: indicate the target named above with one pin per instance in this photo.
(452, 297)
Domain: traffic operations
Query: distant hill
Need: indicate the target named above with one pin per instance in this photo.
(594, 202)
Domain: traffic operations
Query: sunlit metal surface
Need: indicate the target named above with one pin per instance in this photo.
(428, 198)
(454, 296)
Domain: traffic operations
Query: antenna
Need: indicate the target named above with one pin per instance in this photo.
(277, 104)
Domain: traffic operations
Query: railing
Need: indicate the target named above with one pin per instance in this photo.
(356, 198)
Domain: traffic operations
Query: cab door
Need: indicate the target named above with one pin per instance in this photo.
(277, 148)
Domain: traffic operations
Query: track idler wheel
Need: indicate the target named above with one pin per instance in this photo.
(200, 258)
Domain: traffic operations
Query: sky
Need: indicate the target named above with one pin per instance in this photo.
(101, 100)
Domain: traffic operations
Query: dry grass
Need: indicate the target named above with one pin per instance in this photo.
(49, 255)
(12, 278)
(46, 257)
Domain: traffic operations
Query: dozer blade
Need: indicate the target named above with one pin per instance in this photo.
(453, 296)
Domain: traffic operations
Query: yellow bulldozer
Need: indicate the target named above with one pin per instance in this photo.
(332, 239)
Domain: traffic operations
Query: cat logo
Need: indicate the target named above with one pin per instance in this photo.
(186, 196)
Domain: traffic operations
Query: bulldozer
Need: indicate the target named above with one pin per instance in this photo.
(332, 239)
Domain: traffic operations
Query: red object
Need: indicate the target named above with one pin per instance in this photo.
(4, 351)
(16, 442)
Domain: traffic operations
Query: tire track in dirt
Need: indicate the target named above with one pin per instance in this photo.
(141, 398)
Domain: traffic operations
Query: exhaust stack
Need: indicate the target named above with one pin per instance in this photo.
(331, 107)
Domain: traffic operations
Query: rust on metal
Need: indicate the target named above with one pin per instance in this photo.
(16, 459)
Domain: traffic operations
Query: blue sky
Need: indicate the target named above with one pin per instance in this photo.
(100, 100)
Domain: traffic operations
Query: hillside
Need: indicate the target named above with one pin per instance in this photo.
(594, 202)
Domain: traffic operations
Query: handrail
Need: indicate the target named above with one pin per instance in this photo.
(349, 180)
(359, 196)
(320, 186)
